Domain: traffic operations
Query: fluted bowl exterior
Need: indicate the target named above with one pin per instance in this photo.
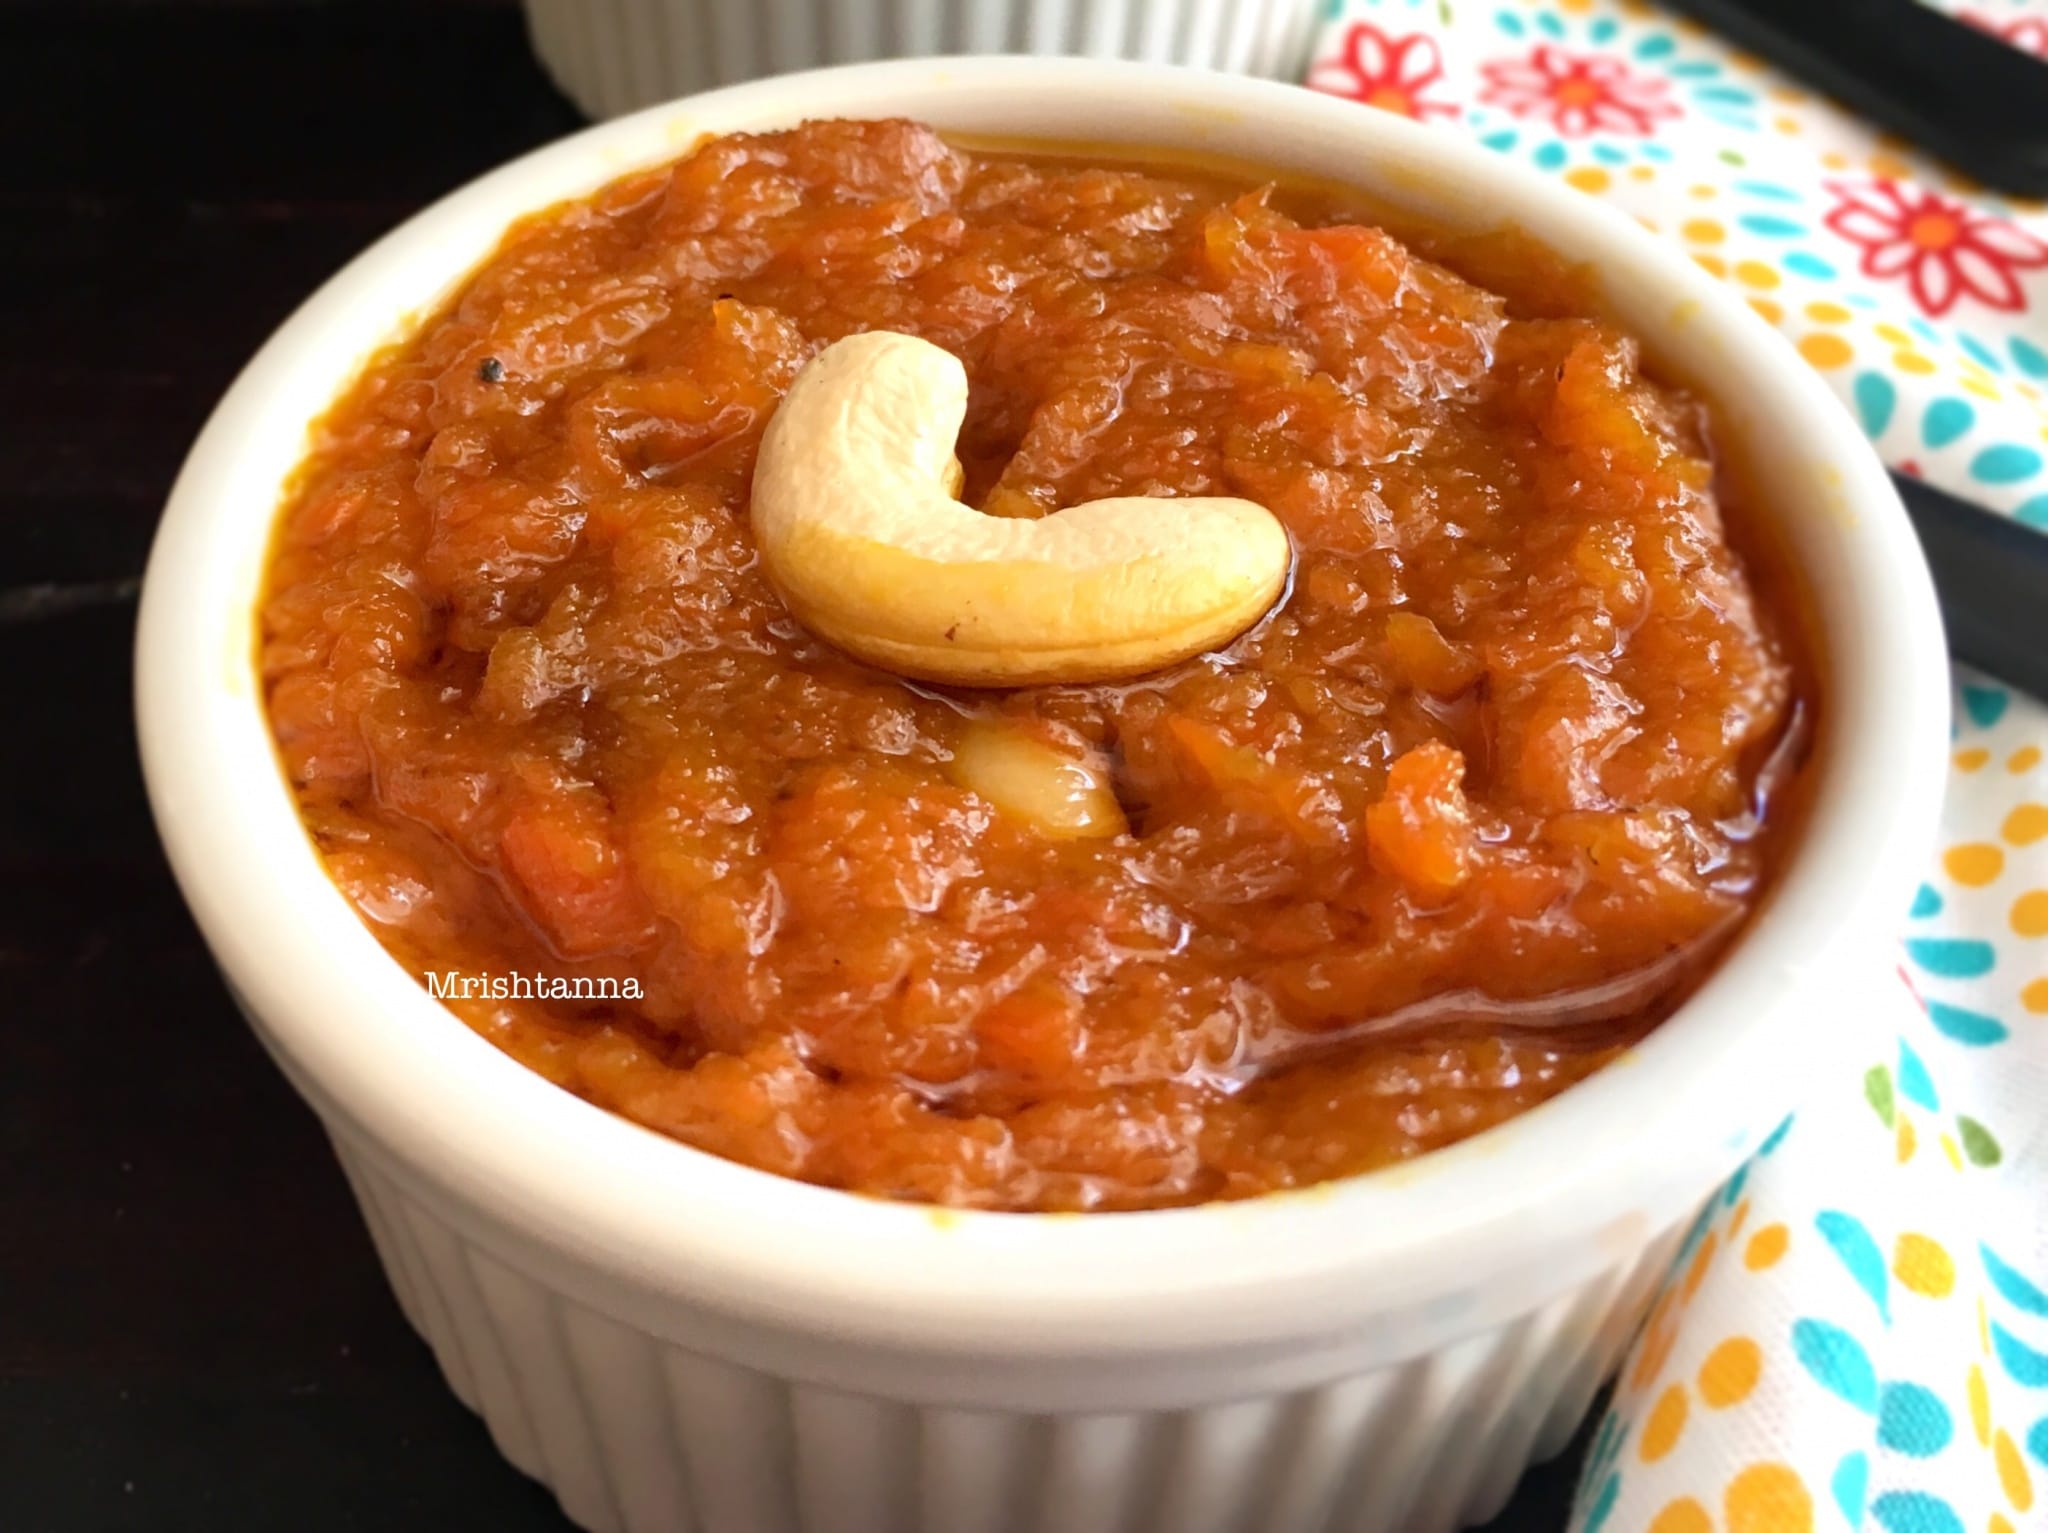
(617, 56)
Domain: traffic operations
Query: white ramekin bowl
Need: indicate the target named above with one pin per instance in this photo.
(614, 56)
(673, 1341)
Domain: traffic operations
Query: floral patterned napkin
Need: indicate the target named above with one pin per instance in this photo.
(1855, 1334)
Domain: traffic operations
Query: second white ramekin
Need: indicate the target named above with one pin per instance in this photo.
(616, 56)
(674, 1341)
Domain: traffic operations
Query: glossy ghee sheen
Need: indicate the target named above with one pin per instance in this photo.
(1473, 808)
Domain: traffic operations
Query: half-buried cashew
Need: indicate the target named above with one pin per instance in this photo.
(855, 517)
(1058, 795)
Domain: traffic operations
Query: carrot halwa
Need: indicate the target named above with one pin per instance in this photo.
(1470, 810)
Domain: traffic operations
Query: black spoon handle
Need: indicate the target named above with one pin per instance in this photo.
(1960, 94)
(1991, 574)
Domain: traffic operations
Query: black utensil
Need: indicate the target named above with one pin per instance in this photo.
(1960, 94)
(1991, 574)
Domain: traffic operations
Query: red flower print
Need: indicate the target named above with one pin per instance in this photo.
(1946, 250)
(1579, 94)
(2029, 34)
(1392, 73)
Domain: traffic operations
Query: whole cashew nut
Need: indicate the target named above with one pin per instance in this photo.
(855, 517)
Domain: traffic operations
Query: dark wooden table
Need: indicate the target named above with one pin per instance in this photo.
(193, 1331)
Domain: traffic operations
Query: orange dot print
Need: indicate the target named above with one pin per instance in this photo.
(1768, 1498)
(1655, 1350)
(1998, 1524)
(1824, 351)
(1684, 1515)
(2034, 995)
(1730, 1372)
(1661, 1308)
(1972, 759)
(1702, 1259)
(2026, 824)
(1973, 864)
(1765, 1247)
(1588, 178)
(1703, 231)
(1907, 1143)
(2030, 913)
(1980, 1406)
(2025, 759)
(1662, 1427)
(1735, 1221)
